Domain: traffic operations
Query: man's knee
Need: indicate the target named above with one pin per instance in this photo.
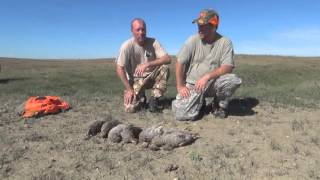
(226, 84)
(164, 72)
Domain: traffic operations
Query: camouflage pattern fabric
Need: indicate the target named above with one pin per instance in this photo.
(187, 108)
(207, 16)
(222, 89)
(156, 81)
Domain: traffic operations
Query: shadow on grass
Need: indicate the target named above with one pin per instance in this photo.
(237, 107)
(8, 80)
(166, 102)
(242, 106)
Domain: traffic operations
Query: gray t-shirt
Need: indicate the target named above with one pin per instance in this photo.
(201, 58)
(132, 54)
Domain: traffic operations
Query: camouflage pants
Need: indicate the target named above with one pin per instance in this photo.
(156, 81)
(221, 89)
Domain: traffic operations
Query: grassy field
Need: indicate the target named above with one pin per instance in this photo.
(277, 80)
(272, 131)
(280, 80)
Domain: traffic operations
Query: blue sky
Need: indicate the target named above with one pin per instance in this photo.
(97, 28)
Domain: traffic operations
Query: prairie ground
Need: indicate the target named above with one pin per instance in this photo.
(272, 132)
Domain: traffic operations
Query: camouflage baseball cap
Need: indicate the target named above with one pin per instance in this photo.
(207, 16)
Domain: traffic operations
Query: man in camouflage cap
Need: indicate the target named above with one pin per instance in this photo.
(203, 69)
(141, 64)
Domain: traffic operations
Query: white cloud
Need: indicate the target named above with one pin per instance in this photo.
(296, 42)
(305, 35)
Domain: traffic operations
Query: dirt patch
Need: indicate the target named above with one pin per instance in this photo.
(262, 142)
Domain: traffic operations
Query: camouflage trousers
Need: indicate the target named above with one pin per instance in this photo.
(156, 81)
(221, 89)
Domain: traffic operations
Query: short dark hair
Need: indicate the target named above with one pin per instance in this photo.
(138, 19)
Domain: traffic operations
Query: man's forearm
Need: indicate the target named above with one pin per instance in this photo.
(179, 75)
(158, 62)
(219, 72)
(122, 75)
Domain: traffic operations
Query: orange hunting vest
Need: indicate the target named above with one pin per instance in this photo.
(41, 105)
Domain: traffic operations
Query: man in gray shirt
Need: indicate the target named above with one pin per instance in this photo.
(141, 64)
(203, 69)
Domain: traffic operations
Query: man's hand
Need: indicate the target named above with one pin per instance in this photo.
(128, 96)
(140, 69)
(201, 84)
(183, 91)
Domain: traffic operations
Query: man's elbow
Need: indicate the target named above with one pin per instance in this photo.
(230, 69)
(119, 70)
(166, 59)
(226, 69)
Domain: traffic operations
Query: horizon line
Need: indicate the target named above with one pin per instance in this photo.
(100, 58)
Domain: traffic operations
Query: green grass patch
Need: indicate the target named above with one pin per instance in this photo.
(282, 82)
